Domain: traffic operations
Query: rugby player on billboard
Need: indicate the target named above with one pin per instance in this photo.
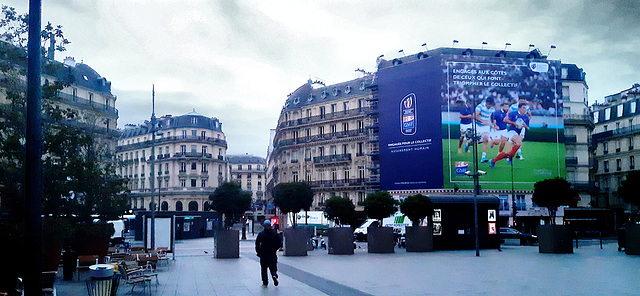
(514, 109)
(466, 119)
(483, 124)
(498, 136)
(517, 122)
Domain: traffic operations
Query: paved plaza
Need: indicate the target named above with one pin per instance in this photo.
(516, 270)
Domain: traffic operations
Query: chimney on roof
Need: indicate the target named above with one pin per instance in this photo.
(70, 61)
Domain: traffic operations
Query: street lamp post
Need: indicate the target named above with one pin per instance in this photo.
(476, 180)
(153, 177)
(513, 198)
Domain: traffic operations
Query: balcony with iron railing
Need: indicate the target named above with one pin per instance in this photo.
(573, 162)
(136, 192)
(192, 155)
(578, 119)
(336, 183)
(160, 141)
(620, 132)
(316, 138)
(80, 102)
(323, 117)
(332, 159)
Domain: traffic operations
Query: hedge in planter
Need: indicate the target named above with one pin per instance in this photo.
(552, 193)
(92, 239)
(380, 205)
(56, 233)
(419, 238)
(341, 211)
(230, 200)
(292, 198)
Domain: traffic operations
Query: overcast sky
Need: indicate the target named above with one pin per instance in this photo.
(238, 60)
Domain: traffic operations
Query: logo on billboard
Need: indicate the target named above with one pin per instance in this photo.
(539, 67)
(462, 167)
(408, 114)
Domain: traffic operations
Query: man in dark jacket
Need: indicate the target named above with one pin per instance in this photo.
(267, 244)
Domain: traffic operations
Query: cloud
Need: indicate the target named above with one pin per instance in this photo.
(238, 60)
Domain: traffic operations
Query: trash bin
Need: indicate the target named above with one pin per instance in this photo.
(69, 261)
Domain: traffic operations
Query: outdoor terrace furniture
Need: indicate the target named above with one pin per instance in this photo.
(136, 250)
(160, 254)
(148, 261)
(134, 276)
(84, 261)
(145, 270)
(117, 257)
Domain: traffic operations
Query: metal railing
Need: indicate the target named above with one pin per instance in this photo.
(332, 158)
(337, 183)
(301, 140)
(159, 141)
(76, 101)
(327, 116)
(623, 131)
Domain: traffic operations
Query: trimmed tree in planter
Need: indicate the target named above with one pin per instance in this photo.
(419, 238)
(380, 205)
(628, 190)
(342, 211)
(230, 200)
(552, 193)
(292, 198)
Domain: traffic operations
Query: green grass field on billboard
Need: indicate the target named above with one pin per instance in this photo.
(542, 160)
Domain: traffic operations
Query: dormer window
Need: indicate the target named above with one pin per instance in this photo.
(296, 100)
(323, 94)
(194, 120)
(335, 92)
(347, 89)
(310, 98)
(362, 85)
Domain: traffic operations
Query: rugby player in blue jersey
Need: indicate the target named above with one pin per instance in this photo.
(514, 109)
(517, 122)
(466, 118)
(483, 124)
(499, 134)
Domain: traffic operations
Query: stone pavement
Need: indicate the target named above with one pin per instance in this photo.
(516, 270)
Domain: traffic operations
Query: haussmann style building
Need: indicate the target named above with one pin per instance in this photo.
(189, 162)
(616, 139)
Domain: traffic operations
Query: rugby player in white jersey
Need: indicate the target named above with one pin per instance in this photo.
(483, 124)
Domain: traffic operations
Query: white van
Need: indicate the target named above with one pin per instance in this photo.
(398, 221)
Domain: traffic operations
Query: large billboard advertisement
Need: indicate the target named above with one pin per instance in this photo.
(431, 111)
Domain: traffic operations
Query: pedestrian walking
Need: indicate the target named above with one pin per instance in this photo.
(268, 243)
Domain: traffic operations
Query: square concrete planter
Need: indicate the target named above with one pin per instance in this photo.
(295, 241)
(380, 240)
(632, 239)
(226, 244)
(555, 239)
(419, 239)
(340, 240)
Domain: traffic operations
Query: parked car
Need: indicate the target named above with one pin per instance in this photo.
(360, 234)
(525, 238)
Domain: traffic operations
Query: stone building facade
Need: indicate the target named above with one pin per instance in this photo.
(189, 162)
(616, 139)
(321, 139)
